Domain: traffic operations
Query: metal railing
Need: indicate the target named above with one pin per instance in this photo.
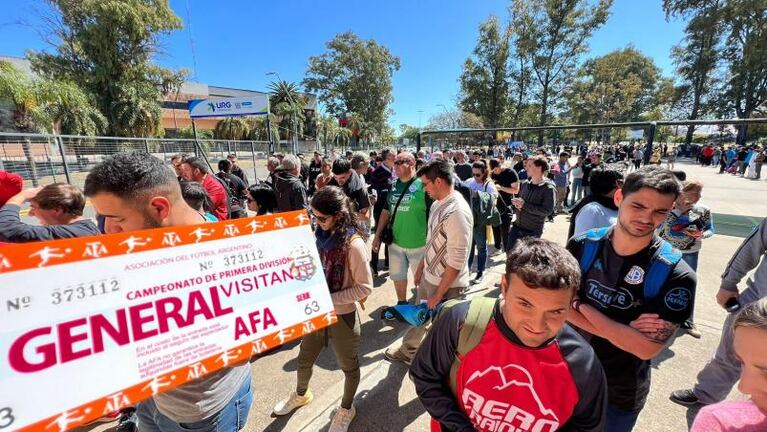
(44, 158)
(650, 136)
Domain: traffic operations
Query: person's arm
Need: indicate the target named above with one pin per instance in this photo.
(590, 412)
(362, 278)
(513, 189)
(383, 220)
(578, 320)
(430, 371)
(643, 345)
(745, 258)
(448, 277)
(298, 198)
(13, 230)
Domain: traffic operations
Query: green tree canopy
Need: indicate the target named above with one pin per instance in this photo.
(354, 75)
(485, 77)
(106, 48)
(231, 128)
(616, 87)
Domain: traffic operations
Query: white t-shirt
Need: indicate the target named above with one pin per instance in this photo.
(594, 215)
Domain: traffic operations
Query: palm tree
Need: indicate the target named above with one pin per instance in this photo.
(133, 115)
(231, 128)
(25, 97)
(287, 103)
(71, 110)
(258, 130)
(344, 135)
(327, 127)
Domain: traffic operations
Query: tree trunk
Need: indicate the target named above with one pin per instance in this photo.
(542, 122)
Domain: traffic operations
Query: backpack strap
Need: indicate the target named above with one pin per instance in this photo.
(592, 244)
(479, 315)
(663, 262)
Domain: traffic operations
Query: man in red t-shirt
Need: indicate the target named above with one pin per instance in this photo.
(195, 169)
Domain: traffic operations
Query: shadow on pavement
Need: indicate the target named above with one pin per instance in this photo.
(384, 399)
(691, 413)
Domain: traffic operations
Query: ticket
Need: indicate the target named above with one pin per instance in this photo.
(91, 325)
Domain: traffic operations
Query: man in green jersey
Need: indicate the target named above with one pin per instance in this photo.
(409, 225)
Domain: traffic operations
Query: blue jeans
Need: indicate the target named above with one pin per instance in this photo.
(516, 233)
(619, 420)
(479, 241)
(577, 190)
(231, 418)
(692, 260)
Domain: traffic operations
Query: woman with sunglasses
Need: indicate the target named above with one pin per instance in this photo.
(479, 182)
(261, 199)
(341, 241)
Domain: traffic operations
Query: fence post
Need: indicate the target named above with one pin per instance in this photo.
(253, 157)
(63, 153)
(146, 145)
(650, 140)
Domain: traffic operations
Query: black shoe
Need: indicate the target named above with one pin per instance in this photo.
(128, 421)
(684, 397)
(478, 279)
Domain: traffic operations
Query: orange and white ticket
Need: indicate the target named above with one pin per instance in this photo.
(91, 325)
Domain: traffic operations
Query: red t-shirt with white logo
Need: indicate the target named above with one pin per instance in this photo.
(503, 385)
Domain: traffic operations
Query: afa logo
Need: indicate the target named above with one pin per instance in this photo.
(635, 276)
(678, 299)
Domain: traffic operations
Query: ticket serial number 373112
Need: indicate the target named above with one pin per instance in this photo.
(84, 290)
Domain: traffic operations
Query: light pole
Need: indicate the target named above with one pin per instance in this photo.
(294, 124)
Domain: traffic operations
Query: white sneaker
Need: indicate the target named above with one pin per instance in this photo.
(293, 401)
(342, 419)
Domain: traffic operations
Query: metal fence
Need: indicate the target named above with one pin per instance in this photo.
(653, 133)
(42, 158)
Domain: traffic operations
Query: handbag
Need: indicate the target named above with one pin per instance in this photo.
(387, 235)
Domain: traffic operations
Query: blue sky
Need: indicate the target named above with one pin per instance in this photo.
(238, 41)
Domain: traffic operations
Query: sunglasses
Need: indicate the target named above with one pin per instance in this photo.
(477, 175)
(321, 219)
(400, 162)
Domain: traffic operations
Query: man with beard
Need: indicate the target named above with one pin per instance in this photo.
(635, 291)
(135, 191)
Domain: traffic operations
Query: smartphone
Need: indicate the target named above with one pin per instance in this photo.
(732, 305)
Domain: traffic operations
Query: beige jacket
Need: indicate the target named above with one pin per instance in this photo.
(358, 280)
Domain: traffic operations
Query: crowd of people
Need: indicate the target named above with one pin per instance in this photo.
(567, 343)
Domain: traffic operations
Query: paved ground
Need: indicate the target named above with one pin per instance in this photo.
(386, 400)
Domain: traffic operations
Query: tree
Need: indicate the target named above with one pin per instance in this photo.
(327, 128)
(259, 131)
(455, 120)
(71, 110)
(231, 128)
(553, 35)
(287, 103)
(697, 55)
(408, 132)
(746, 55)
(354, 75)
(616, 87)
(106, 48)
(484, 80)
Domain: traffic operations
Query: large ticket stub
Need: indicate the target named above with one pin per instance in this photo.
(91, 325)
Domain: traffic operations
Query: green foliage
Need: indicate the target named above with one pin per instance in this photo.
(616, 87)
(231, 128)
(354, 75)
(287, 103)
(39, 104)
(106, 48)
(484, 80)
(188, 133)
(553, 35)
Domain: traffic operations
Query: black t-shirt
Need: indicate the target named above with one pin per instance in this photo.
(506, 178)
(742, 155)
(315, 168)
(354, 188)
(615, 286)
